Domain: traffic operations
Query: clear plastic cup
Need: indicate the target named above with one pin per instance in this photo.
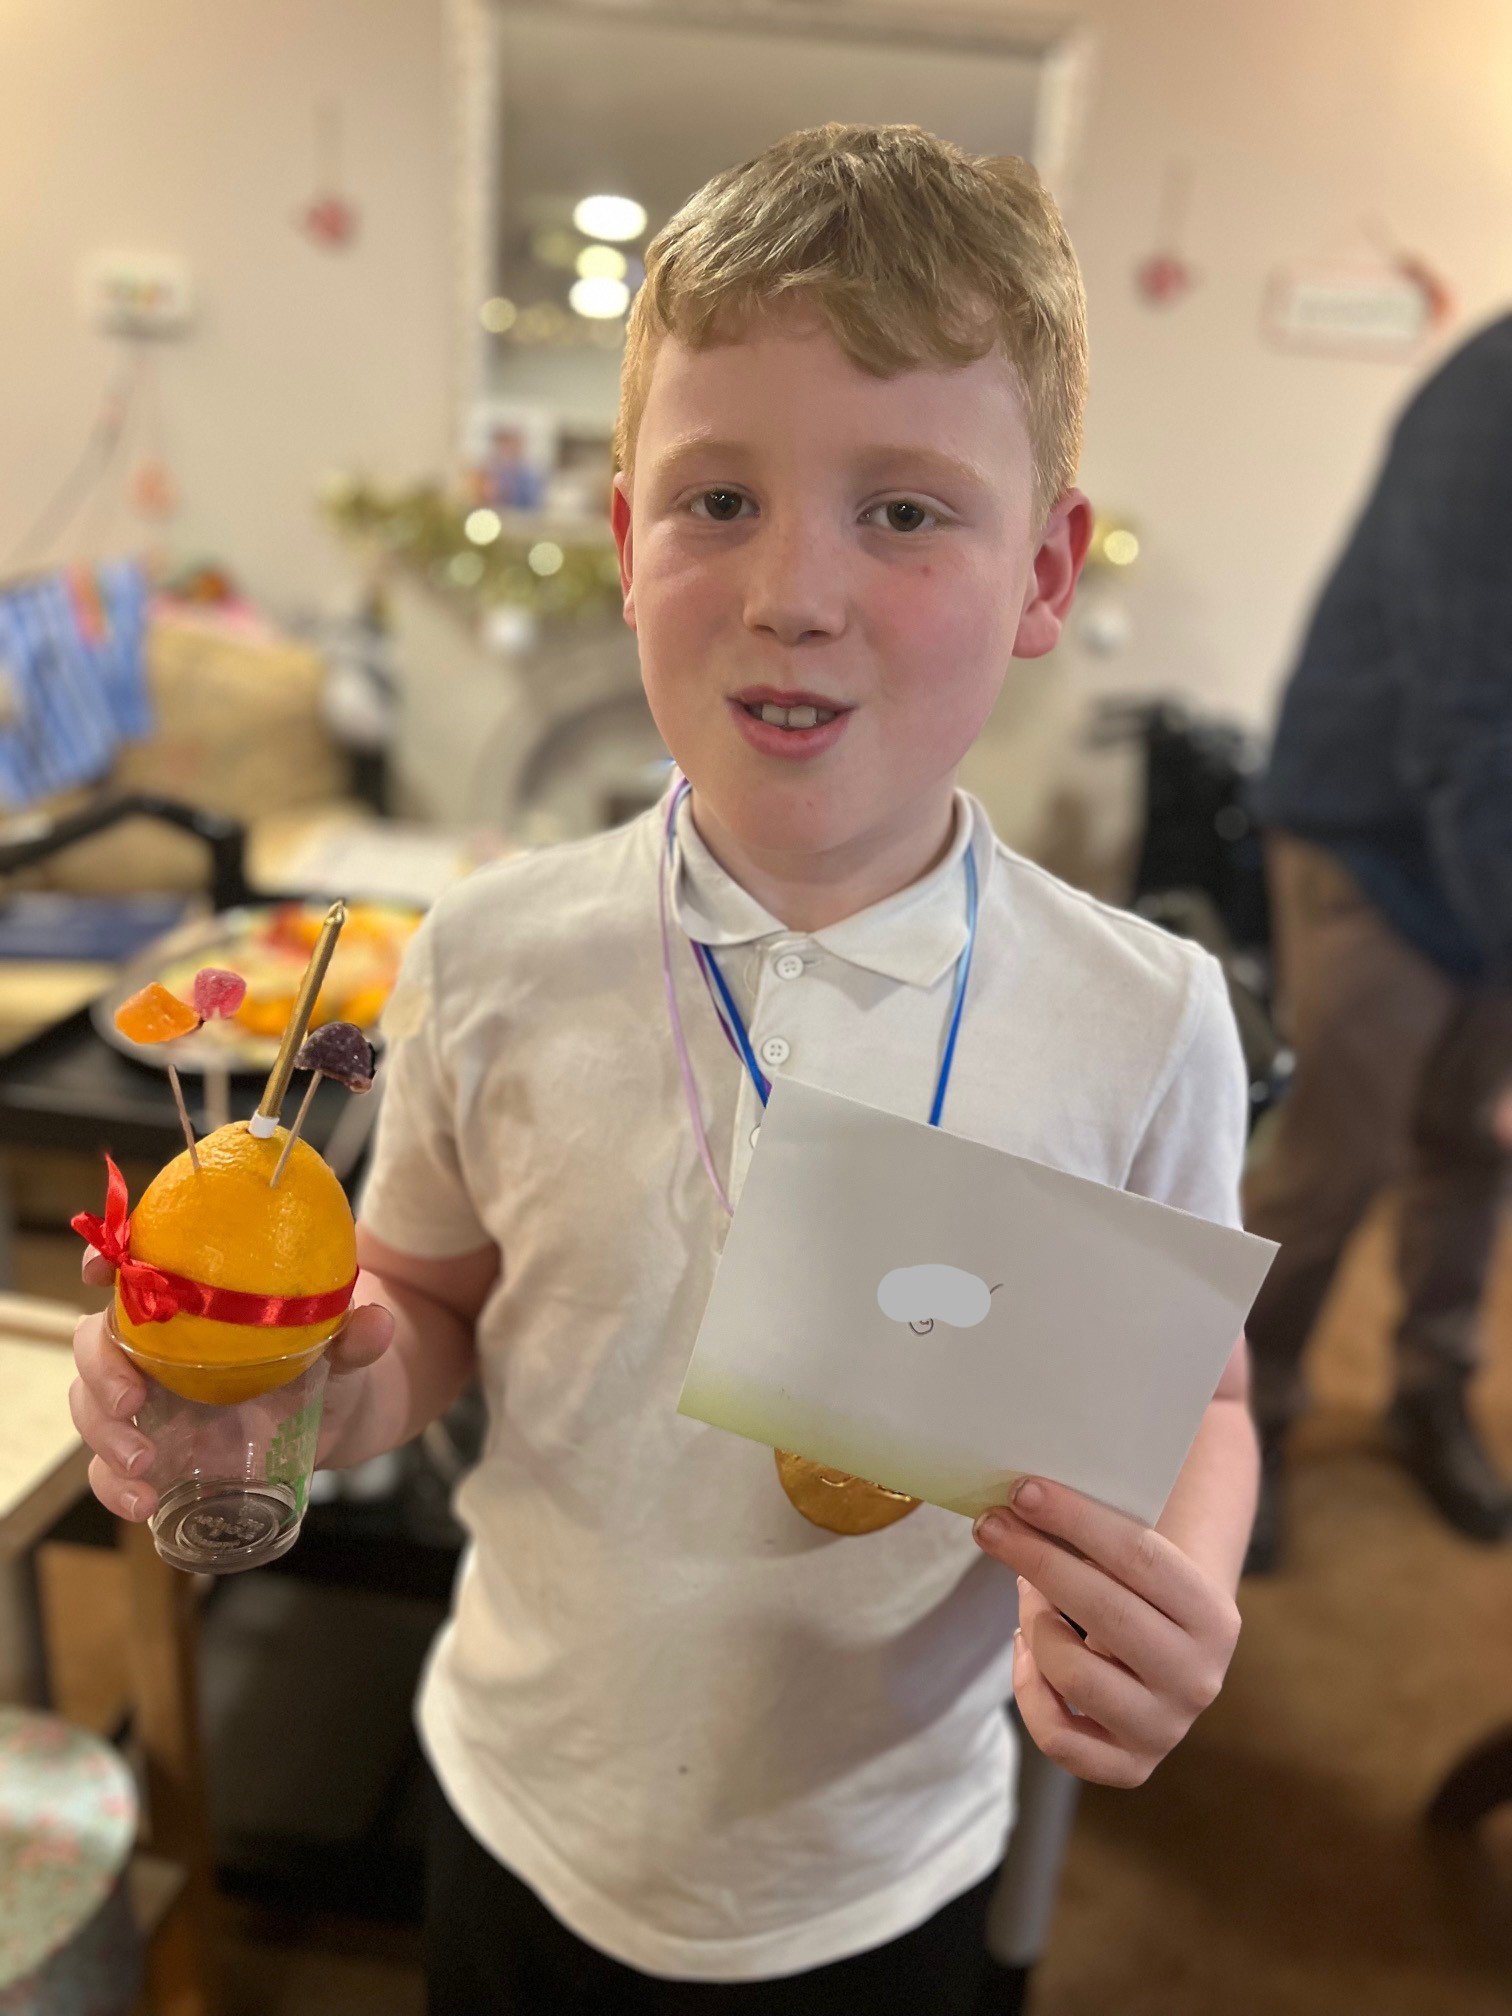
(232, 1475)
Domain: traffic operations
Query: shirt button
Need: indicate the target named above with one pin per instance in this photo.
(788, 967)
(755, 1134)
(776, 1050)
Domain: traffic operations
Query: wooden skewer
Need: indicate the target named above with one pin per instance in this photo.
(183, 1110)
(299, 1120)
(218, 1093)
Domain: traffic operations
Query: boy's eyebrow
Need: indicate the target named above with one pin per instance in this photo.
(875, 458)
(916, 457)
(700, 443)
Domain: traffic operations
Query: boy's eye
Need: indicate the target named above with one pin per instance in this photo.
(902, 515)
(720, 505)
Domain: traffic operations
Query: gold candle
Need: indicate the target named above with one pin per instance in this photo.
(265, 1120)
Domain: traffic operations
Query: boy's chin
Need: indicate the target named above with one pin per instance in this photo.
(774, 817)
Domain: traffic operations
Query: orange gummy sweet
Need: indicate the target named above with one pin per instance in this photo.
(155, 1016)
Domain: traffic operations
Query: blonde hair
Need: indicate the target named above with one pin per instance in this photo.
(914, 252)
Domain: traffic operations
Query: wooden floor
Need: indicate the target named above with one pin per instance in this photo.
(1277, 1862)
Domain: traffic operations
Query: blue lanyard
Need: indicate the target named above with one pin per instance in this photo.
(739, 1038)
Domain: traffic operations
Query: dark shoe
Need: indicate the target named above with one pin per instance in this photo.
(1433, 1435)
(1005, 1990)
(1268, 1532)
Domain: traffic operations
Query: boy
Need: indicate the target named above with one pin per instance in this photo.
(737, 1760)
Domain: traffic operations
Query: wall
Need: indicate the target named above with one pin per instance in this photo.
(1243, 465)
(189, 127)
(176, 126)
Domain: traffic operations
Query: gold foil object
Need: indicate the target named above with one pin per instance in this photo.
(304, 1008)
(837, 1502)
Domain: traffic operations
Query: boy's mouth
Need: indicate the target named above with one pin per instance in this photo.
(786, 726)
(794, 712)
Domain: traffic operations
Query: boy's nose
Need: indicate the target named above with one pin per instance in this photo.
(795, 590)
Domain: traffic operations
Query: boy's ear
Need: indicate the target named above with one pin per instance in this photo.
(619, 517)
(1057, 565)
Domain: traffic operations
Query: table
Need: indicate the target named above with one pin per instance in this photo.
(44, 1467)
(67, 1088)
(43, 1470)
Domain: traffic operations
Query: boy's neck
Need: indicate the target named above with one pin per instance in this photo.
(810, 891)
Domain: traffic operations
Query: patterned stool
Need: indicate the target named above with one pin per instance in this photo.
(69, 1945)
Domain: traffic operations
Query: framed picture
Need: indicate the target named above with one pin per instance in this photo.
(511, 453)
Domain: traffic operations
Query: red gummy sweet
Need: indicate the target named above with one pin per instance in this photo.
(218, 992)
(338, 1050)
(155, 1016)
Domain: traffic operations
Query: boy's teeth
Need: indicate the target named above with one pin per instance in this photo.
(795, 717)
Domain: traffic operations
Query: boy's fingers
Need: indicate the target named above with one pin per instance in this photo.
(96, 1269)
(1135, 1632)
(106, 1370)
(119, 1495)
(123, 1447)
(1134, 1554)
(367, 1337)
(1074, 1742)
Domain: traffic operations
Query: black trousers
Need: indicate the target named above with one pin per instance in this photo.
(493, 1949)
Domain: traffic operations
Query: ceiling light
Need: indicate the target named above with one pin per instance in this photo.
(599, 299)
(616, 217)
(601, 262)
(483, 527)
(545, 558)
(498, 315)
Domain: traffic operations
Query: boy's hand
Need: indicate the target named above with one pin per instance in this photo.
(367, 1337)
(1160, 1634)
(109, 1390)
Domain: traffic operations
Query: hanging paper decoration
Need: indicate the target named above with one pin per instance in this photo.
(154, 493)
(1386, 302)
(1165, 275)
(1438, 300)
(329, 219)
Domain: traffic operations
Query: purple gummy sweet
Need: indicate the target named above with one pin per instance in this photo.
(338, 1050)
(217, 992)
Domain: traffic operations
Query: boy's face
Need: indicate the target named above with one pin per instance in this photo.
(802, 536)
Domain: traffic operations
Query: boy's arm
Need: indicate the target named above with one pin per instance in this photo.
(386, 1393)
(1212, 1505)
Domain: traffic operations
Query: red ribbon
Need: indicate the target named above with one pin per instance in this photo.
(152, 1295)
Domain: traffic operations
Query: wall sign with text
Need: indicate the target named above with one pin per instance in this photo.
(1354, 308)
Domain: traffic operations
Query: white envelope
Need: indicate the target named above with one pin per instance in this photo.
(941, 1317)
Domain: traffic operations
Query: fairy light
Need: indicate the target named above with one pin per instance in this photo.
(599, 298)
(613, 217)
(602, 262)
(1121, 547)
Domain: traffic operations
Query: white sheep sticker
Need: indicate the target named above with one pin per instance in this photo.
(922, 1296)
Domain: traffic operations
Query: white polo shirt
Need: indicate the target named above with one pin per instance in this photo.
(720, 1743)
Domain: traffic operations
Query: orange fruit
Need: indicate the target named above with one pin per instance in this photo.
(224, 1225)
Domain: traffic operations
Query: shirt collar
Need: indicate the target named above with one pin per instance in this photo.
(915, 936)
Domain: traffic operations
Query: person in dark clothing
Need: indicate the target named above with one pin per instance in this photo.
(1388, 804)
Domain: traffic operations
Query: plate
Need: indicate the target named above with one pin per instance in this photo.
(269, 945)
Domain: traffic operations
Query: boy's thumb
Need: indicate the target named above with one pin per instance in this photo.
(367, 1337)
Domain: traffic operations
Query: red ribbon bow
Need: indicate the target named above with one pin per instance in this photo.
(151, 1295)
(146, 1291)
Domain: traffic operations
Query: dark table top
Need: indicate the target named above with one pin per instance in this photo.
(67, 1088)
